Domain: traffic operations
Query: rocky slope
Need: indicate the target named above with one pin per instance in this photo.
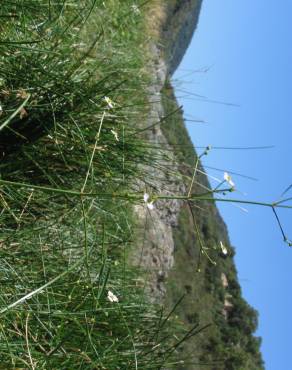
(171, 245)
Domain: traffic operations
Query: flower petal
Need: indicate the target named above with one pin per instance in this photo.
(146, 197)
(109, 102)
(223, 248)
(228, 179)
(115, 135)
(111, 297)
(150, 205)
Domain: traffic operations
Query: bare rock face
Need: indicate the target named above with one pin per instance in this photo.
(155, 251)
(178, 30)
(155, 246)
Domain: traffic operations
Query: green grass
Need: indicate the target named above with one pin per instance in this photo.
(62, 247)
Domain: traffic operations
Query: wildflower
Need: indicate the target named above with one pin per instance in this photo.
(223, 248)
(135, 9)
(111, 297)
(109, 102)
(149, 205)
(115, 135)
(228, 179)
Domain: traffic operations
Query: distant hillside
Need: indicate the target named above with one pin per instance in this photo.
(182, 20)
(209, 284)
(212, 295)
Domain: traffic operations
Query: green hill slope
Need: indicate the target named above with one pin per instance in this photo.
(211, 291)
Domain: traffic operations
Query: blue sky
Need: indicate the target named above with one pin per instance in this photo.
(246, 46)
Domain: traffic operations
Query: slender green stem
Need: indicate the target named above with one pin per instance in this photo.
(14, 114)
(43, 287)
(138, 196)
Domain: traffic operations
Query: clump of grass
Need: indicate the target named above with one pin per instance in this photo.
(71, 100)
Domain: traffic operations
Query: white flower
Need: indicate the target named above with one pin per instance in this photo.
(115, 135)
(150, 206)
(111, 297)
(146, 198)
(223, 248)
(135, 9)
(228, 179)
(109, 102)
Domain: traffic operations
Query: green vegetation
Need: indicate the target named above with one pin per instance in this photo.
(182, 19)
(212, 294)
(72, 95)
(73, 159)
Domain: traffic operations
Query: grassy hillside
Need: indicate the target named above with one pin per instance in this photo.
(203, 275)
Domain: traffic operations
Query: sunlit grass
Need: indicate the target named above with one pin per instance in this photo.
(72, 97)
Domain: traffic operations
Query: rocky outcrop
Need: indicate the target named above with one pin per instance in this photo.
(178, 30)
(155, 244)
(155, 252)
